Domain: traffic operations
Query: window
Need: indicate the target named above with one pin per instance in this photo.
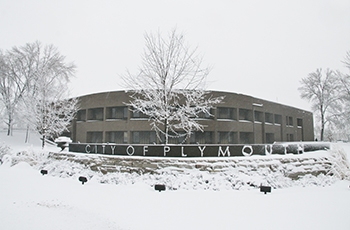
(246, 137)
(258, 116)
(118, 137)
(206, 115)
(270, 138)
(144, 137)
(227, 113)
(95, 114)
(227, 138)
(81, 115)
(94, 137)
(299, 122)
(119, 112)
(201, 138)
(245, 115)
(176, 140)
(269, 118)
(139, 115)
(278, 119)
(290, 137)
(289, 121)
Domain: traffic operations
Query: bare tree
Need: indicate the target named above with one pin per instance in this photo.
(343, 123)
(37, 76)
(169, 88)
(49, 112)
(347, 60)
(345, 78)
(324, 94)
(52, 118)
(17, 70)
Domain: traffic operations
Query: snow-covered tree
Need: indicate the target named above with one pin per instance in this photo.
(17, 70)
(33, 84)
(169, 87)
(51, 118)
(343, 123)
(345, 78)
(49, 112)
(322, 90)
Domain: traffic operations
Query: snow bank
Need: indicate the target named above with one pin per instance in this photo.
(319, 168)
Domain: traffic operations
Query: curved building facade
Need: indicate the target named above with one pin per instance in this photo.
(238, 119)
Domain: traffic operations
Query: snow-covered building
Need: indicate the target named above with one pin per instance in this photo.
(105, 118)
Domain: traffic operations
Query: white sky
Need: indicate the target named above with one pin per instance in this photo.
(258, 48)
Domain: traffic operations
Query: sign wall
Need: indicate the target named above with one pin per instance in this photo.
(196, 150)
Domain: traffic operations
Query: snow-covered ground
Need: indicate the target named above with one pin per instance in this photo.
(29, 200)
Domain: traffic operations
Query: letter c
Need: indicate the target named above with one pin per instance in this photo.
(86, 148)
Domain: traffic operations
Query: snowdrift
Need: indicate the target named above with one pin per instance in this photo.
(279, 171)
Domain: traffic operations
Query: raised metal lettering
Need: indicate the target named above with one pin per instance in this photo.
(224, 153)
(250, 149)
(128, 150)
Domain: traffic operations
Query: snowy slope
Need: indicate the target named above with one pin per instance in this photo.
(29, 200)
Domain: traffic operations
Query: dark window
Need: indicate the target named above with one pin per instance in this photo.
(299, 122)
(176, 138)
(118, 137)
(227, 113)
(206, 115)
(245, 115)
(81, 115)
(201, 138)
(139, 115)
(144, 137)
(269, 118)
(278, 119)
(95, 114)
(227, 138)
(119, 112)
(270, 138)
(94, 137)
(258, 116)
(246, 137)
(290, 137)
(289, 121)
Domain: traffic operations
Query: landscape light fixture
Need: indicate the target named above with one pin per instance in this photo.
(159, 187)
(265, 189)
(83, 179)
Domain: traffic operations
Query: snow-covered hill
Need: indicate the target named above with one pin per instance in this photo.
(203, 199)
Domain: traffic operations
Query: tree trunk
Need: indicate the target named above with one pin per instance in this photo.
(322, 132)
(9, 126)
(27, 135)
(9, 129)
(322, 124)
(166, 132)
(43, 141)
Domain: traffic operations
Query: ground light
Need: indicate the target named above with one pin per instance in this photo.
(159, 187)
(265, 189)
(82, 179)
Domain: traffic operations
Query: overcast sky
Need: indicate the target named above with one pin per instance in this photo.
(258, 48)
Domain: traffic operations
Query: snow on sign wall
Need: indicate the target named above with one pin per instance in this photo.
(197, 150)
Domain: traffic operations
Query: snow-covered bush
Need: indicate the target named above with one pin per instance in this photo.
(340, 162)
(4, 149)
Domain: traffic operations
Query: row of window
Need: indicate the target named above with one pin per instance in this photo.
(121, 112)
(97, 114)
(149, 137)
